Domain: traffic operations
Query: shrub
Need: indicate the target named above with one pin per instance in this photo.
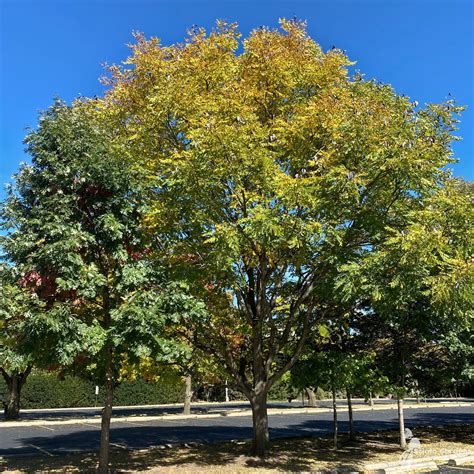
(48, 391)
(141, 392)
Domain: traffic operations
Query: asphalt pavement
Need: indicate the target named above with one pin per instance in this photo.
(201, 408)
(84, 436)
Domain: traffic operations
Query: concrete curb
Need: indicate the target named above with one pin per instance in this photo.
(429, 466)
(162, 405)
(401, 466)
(461, 460)
(408, 401)
(420, 464)
(229, 413)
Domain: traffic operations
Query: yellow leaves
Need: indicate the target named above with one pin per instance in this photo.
(324, 331)
(275, 132)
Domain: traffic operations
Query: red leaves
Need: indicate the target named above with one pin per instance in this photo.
(93, 190)
(30, 279)
(138, 254)
(45, 286)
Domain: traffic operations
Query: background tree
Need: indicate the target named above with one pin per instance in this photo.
(418, 285)
(74, 217)
(324, 369)
(270, 168)
(15, 363)
(332, 361)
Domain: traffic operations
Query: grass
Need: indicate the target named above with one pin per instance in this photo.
(296, 454)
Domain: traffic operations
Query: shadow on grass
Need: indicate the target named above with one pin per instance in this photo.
(286, 455)
(291, 454)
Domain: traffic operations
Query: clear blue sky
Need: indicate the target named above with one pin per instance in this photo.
(424, 48)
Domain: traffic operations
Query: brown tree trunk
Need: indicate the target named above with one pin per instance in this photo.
(311, 397)
(334, 414)
(401, 422)
(351, 417)
(12, 405)
(260, 423)
(106, 415)
(188, 394)
(14, 383)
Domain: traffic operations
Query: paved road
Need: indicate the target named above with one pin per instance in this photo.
(202, 408)
(83, 436)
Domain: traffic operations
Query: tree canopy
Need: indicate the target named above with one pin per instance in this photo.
(232, 196)
(271, 166)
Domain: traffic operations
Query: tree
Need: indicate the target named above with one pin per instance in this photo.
(270, 167)
(417, 284)
(15, 364)
(325, 369)
(332, 360)
(75, 222)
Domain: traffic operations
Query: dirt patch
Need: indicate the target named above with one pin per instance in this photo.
(296, 454)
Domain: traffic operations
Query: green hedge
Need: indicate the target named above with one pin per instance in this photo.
(48, 391)
(141, 392)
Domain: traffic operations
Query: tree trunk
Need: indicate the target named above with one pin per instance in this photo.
(401, 422)
(334, 413)
(371, 400)
(260, 423)
(188, 394)
(311, 397)
(12, 405)
(351, 418)
(14, 383)
(106, 416)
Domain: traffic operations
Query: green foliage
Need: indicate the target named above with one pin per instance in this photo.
(242, 200)
(17, 306)
(142, 392)
(75, 228)
(48, 391)
(272, 168)
(282, 390)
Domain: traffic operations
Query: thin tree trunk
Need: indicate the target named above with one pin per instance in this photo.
(311, 397)
(334, 413)
(371, 400)
(351, 418)
(188, 394)
(106, 415)
(401, 422)
(260, 424)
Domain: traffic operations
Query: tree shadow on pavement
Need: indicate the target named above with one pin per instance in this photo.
(287, 454)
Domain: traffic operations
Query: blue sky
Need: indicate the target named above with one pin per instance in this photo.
(424, 48)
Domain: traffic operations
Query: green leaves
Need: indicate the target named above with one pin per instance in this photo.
(75, 218)
(17, 305)
(240, 194)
